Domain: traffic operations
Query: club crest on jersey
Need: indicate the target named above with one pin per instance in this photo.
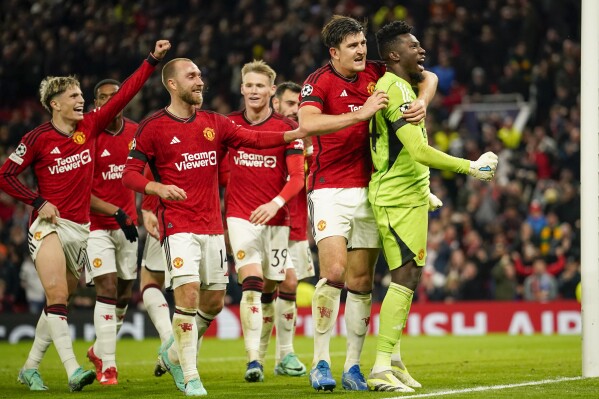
(97, 262)
(178, 262)
(421, 254)
(404, 107)
(370, 88)
(37, 235)
(307, 90)
(17, 155)
(321, 225)
(209, 134)
(131, 145)
(240, 254)
(79, 137)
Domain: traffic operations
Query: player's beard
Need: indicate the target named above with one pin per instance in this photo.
(190, 99)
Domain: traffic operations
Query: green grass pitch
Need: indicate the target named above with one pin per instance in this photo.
(442, 364)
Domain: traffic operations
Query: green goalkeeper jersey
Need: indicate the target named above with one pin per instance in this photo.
(400, 152)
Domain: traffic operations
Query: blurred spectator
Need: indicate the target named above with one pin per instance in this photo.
(36, 298)
(504, 280)
(540, 286)
(569, 279)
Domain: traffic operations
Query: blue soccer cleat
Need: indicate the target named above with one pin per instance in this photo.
(81, 378)
(353, 379)
(175, 370)
(254, 372)
(33, 379)
(195, 388)
(321, 378)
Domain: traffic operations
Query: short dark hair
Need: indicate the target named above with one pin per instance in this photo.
(105, 82)
(388, 34)
(291, 86)
(338, 28)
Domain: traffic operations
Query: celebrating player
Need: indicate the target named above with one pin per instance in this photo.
(183, 144)
(112, 243)
(286, 102)
(337, 101)
(257, 217)
(399, 193)
(61, 154)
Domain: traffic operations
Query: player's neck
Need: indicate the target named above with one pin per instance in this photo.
(181, 109)
(116, 125)
(255, 116)
(346, 73)
(399, 71)
(64, 125)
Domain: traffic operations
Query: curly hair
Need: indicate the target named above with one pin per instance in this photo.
(388, 34)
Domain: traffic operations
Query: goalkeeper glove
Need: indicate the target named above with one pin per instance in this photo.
(484, 167)
(434, 202)
(126, 225)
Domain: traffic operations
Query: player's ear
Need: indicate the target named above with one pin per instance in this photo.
(334, 53)
(55, 105)
(394, 56)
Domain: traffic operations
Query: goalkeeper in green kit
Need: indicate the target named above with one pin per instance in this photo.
(400, 195)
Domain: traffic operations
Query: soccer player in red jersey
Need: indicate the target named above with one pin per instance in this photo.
(112, 243)
(61, 155)
(257, 217)
(183, 145)
(337, 102)
(286, 102)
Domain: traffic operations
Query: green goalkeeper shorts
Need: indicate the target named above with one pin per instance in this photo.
(403, 232)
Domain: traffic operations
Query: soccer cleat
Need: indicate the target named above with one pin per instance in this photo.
(353, 379)
(385, 381)
(321, 378)
(195, 388)
(96, 361)
(33, 379)
(109, 376)
(175, 370)
(158, 369)
(402, 374)
(254, 372)
(291, 366)
(81, 378)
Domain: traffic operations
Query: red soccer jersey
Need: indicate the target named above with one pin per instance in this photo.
(298, 213)
(185, 153)
(341, 159)
(257, 176)
(109, 162)
(62, 164)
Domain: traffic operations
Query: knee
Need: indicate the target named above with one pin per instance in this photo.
(333, 272)
(105, 286)
(213, 304)
(289, 284)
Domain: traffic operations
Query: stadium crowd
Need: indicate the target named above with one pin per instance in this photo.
(515, 238)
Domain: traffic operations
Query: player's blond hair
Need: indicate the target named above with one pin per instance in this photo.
(53, 86)
(261, 67)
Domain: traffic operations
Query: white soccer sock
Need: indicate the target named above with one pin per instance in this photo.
(268, 316)
(185, 333)
(325, 308)
(250, 311)
(41, 343)
(120, 317)
(105, 325)
(357, 319)
(59, 331)
(285, 315)
(158, 310)
(203, 321)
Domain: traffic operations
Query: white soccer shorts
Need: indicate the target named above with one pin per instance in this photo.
(109, 251)
(73, 237)
(153, 258)
(343, 212)
(301, 259)
(267, 246)
(198, 257)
